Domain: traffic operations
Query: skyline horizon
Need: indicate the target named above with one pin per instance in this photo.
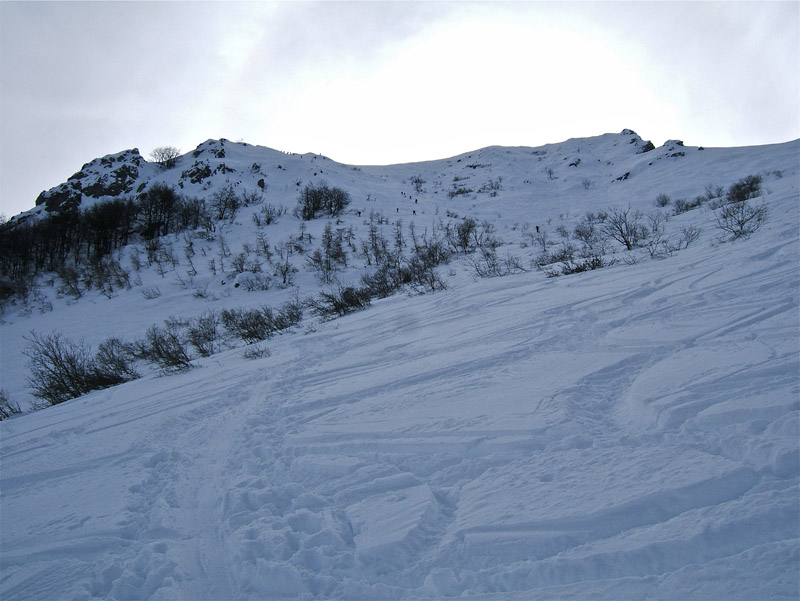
(380, 83)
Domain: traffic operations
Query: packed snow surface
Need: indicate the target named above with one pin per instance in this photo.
(625, 433)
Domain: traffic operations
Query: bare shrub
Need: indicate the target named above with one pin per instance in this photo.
(339, 301)
(459, 191)
(113, 363)
(203, 333)
(255, 325)
(7, 406)
(689, 235)
(488, 264)
(625, 226)
(745, 189)
(571, 266)
(682, 205)
(589, 233)
(252, 197)
(151, 293)
(268, 215)
(741, 219)
(255, 352)
(225, 203)
(165, 348)
(713, 191)
(330, 256)
(422, 264)
(316, 200)
(60, 368)
(289, 314)
(70, 281)
(165, 156)
(563, 254)
(460, 237)
(249, 325)
(385, 280)
(254, 282)
(657, 242)
(736, 215)
(541, 238)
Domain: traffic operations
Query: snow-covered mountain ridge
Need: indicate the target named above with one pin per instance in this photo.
(127, 173)
(218, 161)
(627, 432)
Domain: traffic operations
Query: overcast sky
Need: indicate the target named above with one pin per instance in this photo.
(383, 82)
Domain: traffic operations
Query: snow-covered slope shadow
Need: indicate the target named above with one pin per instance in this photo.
(626, 433)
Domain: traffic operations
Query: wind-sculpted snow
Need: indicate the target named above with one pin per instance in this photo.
(628, 433)
(625, 433)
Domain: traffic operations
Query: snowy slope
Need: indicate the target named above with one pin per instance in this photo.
(513, 189)
(629, 432)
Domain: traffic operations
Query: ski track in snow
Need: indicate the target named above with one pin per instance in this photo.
(624, 434)
(346, 467)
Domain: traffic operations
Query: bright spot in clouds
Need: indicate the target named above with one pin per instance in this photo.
(383, 82)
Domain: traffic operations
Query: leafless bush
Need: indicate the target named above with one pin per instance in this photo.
(203, 333)
(113, 363)
(255, 325)
(330, 256)
(563, 254)
(255, 351)
(689, 235)
(589, 233)
(165, 156)
(225, 203)
(7, 406)
(165, 348)
(268, 215)
(151, 293)
(657, 242)
(283, 269)
(424, 274)
(625, 226)
(249, 325)
(682, 205)
(741, 219)
(339, 301)
(385, 280)
(316, 200)
(70, 282)
(252, 197)
(570, 266)
(736, 215)
(459, 191)
(486, 263)
(713, 191)
(745, 189)
(541, 238)
(290, 314)
(461, 236)
(254, 282)
(62, 369)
